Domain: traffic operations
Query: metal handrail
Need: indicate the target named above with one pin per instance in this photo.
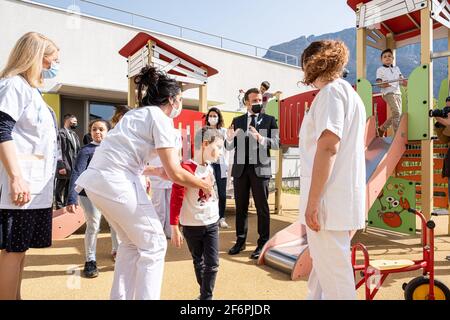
(287, 57)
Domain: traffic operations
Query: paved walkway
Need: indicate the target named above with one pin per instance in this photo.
(54, 273)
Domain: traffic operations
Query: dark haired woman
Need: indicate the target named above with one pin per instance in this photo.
(112, 183)
(333, 171)
(214, 119)
(98, 130)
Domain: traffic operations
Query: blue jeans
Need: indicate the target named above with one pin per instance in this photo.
(93, 217)
(203, 243)
(221, 188)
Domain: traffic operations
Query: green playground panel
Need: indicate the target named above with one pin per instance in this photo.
(443, 93)
(364, 89)
(418, 104)
(404, 91)
(272, 109)
(389, 212)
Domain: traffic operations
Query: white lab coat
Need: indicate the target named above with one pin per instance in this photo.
(112, 182)
(35, 139)
(339, 109)
(162, 190)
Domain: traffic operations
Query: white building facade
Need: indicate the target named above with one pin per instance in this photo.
(93, 77)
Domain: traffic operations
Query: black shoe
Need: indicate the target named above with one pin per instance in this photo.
(255, 255)
(238, 247)
(90, 269)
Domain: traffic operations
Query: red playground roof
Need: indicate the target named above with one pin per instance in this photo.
(141, 39)
(404, 27)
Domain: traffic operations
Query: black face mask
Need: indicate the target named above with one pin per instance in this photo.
(73, 126)
(256, 108)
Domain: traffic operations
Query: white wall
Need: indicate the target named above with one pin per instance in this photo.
(89, 54)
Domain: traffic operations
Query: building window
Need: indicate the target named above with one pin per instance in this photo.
(101, 111)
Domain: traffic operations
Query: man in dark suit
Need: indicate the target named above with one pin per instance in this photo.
(69, 144)
(252, 135)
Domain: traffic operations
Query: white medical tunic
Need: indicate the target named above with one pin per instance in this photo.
(126, 150)
(35, 138)
(339, 109)
(157, 182)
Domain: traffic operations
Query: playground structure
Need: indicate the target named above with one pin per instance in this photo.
(409, 154)
(288, 249)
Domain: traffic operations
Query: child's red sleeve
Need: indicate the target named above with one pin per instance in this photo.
(176, 199)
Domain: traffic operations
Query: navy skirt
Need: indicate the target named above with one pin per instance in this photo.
(21, 230)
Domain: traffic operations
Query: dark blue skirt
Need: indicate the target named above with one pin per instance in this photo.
(21, 230)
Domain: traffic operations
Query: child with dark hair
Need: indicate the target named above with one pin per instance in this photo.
(266, 95)
(198, 212)
(389, 79)
(98, 130)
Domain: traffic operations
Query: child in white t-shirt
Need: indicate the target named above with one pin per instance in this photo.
(265, 86)
(197, 213)
(390, 78)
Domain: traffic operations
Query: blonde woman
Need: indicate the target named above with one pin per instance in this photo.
(28, 154)
(333, 173)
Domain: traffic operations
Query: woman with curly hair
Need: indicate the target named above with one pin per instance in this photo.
(333, 174)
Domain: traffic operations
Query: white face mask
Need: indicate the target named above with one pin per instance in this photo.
(213, 121)
(176, 112)
(52, 72)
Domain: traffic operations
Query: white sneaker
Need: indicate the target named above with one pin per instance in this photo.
(223, 224)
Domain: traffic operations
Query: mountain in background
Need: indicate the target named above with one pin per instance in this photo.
(408, 57)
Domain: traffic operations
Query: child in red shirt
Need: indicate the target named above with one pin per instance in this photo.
(197, 213)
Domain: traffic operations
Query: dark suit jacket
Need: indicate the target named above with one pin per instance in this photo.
(69, 153)
(260, 154)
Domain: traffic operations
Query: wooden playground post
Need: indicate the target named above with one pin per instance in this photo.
(132, 96)
(150, 52)
(279, 174)
(131, 92)
(203, 98)
(361, 49)
(426, 39)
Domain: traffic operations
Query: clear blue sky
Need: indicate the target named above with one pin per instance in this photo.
(258, 22)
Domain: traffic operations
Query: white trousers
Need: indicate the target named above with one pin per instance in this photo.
(140, 257)
(332, 275)
(161, 202)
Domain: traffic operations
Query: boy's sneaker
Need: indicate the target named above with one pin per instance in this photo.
(223, 224)
(90, 269)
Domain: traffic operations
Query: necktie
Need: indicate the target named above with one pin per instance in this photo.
(253, 121)
(250, 153)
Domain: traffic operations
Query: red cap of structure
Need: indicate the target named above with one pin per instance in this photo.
(141, 39)
(404, 27)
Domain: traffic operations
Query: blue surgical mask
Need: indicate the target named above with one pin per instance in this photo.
(52, 72)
